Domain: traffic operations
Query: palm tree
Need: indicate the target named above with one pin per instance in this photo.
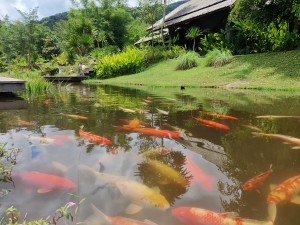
(193, 33)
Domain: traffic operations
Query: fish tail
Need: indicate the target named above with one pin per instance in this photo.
(272, 211)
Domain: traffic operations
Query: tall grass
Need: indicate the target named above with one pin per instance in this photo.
(187, 61)
(218, 57)
(35, 84)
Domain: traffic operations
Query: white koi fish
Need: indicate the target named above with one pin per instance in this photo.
(138, 193)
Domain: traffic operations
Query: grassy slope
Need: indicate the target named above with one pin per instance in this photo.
(270, 70)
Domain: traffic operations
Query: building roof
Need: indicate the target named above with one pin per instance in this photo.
(191, 10)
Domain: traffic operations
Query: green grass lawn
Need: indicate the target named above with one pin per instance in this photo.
(280, 70)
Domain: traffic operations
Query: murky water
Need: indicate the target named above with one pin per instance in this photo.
(212, 163)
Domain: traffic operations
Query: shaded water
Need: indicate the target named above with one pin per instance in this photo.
(226, 159)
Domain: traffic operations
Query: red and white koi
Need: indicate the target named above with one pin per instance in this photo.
(287, 191)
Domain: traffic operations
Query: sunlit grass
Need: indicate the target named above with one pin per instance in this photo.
(268, 71)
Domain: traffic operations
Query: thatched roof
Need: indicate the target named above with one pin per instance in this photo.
(191, 10)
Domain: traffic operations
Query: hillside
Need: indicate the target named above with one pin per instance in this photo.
(51, 20)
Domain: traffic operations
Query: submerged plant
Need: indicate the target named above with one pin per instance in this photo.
(218, 57)
(187, 61)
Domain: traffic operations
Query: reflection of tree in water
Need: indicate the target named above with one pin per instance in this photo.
(153, 178)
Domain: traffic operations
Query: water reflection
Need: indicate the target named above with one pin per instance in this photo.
(214, 163)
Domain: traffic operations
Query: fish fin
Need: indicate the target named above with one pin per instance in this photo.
(272, 211)
(272, 187)
(43, 190)
(97, 217)
(133, 209)
(230, 214)
(296, 147)
(156, 189)
(296, 200)
(149, 222)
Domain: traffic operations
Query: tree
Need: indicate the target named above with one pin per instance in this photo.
(193, 33)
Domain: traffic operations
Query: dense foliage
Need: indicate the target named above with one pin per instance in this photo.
(131, 60)
(218, 57)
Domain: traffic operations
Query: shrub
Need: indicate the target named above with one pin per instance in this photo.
(98, 53)
(132, 60)
(218, 57)
(187, 61)
(174, 52)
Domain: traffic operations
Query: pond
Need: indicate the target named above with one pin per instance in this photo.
(136, 171)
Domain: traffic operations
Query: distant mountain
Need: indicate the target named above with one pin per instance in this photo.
(51, 20)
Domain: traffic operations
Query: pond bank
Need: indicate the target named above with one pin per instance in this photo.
(268, 71)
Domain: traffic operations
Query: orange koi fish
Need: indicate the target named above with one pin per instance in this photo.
(286, 191)
(46, 102)
(43, 182)
(198, 216)
(129, 121)
(210, 123)
(75, 116)
(25, 123)
(199, 176)
(151, 132)
(286, 138)
(257, 181)
(94, 138)
(219, 116)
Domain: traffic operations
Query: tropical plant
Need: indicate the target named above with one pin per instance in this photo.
(131, 60)
(218, 57)
(188, 61)
(193, 33)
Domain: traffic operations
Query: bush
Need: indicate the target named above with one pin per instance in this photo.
(174, 52)
(187, 61)
(218, 57)
(132, 60)
(98, 53)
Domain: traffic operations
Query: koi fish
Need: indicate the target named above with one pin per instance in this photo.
(169, 173)
(94, 138)
(198, 216)
(155, 152)
(287, 191)
(210, 123)
(128, 121)
(75, 116)
(276, 117)
(219, 116)
(162, 112)
(99, 217)
(287, 139)
(46, 102)
(151, 132)
(126, 110)
(44, 140)
(43, 182)
(25, 123)
(199, 176)
(257, 181)
(138, 193)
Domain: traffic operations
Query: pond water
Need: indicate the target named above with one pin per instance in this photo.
(205, 168)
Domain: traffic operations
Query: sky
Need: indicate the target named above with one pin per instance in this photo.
(46, 7)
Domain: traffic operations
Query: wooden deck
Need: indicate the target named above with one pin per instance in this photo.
(8, 84)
